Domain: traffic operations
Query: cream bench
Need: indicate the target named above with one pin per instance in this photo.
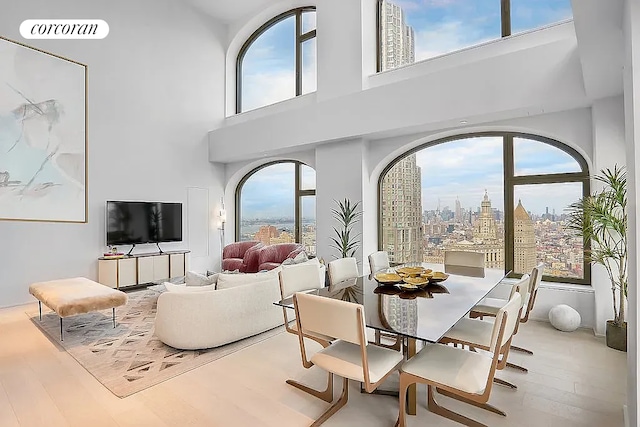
(68, 297)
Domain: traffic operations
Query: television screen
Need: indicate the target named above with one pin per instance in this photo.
(143, 222)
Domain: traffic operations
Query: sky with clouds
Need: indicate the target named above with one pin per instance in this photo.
(464, 168)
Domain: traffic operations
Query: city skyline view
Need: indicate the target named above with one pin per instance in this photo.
(443, 26)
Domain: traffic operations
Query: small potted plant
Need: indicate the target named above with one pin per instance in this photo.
(602, 221)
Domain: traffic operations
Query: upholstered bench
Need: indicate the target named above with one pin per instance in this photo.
(68, 297)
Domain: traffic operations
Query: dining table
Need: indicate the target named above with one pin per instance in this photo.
(422, 314)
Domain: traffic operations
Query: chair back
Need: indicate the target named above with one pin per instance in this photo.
(326, 316)
(464, 259)
(342, 269)
(502, 333)
(378, 261)
(534, 284)
(297, 278)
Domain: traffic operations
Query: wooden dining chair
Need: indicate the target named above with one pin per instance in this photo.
(378, 261)
(348, 356)
(489, 307)
(477, 333)
(300, 278)
(342, 269)
(467, 375)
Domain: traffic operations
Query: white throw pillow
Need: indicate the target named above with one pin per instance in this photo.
(298, 259)
(171, 287)
(196, 279)
(226, 281)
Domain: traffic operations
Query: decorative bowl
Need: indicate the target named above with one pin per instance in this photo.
(388, 278)
(438, 276)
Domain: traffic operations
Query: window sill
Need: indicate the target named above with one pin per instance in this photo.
(559, 286)
(285, 105)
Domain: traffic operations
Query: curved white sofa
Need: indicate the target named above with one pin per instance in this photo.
(205, 319)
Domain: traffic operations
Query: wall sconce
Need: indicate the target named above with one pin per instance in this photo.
(222, 216)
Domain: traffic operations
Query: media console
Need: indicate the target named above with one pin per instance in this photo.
(140, 269)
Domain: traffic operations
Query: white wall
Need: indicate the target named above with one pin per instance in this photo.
(631, 76)
(155, 88)
(541, 76)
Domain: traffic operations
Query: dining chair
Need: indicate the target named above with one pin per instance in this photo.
(378, 261)
(342, 269)
(464, 263)
(300, 278)
(467, 375)
(487, 307)
(348, 356)
(477, 333)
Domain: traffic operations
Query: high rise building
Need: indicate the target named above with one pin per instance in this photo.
(266, 233)
(458, 214)
(524, 248)
(486, 238)
(402, 233)
(397, 45)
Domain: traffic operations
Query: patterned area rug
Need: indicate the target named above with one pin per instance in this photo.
(130, 358)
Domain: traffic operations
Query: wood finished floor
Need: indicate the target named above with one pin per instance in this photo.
(573, 380)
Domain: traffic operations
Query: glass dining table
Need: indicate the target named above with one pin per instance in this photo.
(425, 314)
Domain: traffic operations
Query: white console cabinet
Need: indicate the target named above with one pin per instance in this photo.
(141, 268)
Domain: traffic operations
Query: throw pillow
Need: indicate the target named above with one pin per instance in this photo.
(196, 279)
(172, 287)
(226, 281)
(300, 258)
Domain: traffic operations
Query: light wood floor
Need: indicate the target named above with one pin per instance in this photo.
(574, 380)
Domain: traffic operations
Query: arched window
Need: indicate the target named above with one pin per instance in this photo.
(502, 194)
(278, 61)
(414, 31)
(276, 203)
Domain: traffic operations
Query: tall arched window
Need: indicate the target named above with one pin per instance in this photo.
(414, 31)
(278, 61)
(502, 194)
(276, 203)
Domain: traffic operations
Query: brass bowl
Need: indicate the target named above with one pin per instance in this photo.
(388, 278)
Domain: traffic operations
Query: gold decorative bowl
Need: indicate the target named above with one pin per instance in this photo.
(438, 276)
(415, 281)
(388, 278)
(410, 271)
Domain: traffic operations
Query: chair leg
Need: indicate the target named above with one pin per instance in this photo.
(402, 398)
(336, 406)
(484, 406)
(505, 383)
(444, 412)
(522, 350)
(518, 367)
(326, 394)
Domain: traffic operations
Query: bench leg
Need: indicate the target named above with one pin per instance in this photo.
(114, 317)
(40, 308)
(61, 338)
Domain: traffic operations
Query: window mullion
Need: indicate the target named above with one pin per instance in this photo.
(298, 53)
(509, 233)
(297, 211)
(307, 36)
(505, 17)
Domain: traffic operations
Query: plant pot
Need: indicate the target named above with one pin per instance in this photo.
(616, 336)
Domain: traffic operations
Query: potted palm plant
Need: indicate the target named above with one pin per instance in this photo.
(347, 214)
(601, 219)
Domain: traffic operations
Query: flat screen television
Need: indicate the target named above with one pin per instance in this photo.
(143, 222)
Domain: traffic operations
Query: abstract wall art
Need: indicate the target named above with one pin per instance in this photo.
(43, 135)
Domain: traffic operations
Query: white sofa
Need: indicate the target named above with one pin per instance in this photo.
(205, 319)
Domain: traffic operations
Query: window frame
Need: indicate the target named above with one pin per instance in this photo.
(510, 181)
(299, 193)
(300, 38)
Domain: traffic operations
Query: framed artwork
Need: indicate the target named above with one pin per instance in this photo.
(43, 135)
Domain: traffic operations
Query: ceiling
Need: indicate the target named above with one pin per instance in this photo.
(229, 11)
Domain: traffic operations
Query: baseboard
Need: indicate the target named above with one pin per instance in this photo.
(625, 415)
